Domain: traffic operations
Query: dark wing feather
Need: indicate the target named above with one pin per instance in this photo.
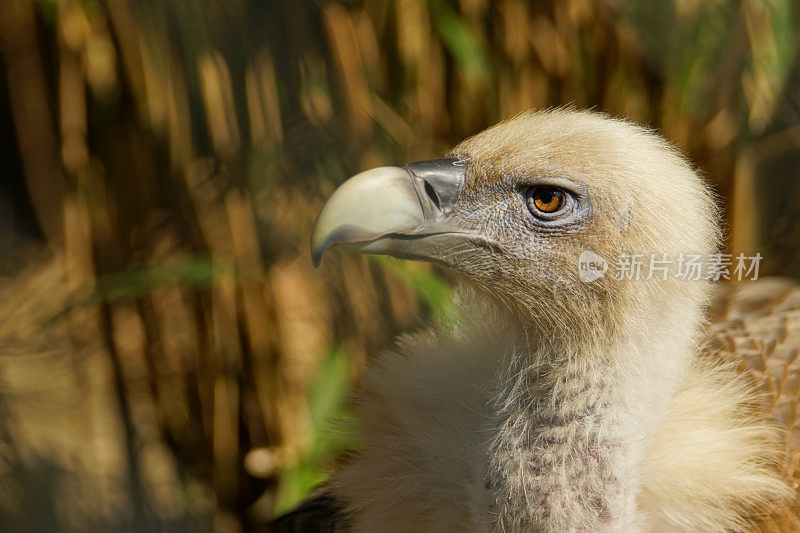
(319, 513)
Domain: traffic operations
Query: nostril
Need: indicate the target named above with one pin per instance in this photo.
(432, 195)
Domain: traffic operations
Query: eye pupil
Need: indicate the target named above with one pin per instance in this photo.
(547, 199)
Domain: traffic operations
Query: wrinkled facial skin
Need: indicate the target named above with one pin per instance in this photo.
(527, 260)
(497, 209)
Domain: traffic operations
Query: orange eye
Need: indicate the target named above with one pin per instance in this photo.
(547, 199)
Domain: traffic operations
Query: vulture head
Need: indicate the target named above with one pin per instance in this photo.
(566, 401)
(513, 208)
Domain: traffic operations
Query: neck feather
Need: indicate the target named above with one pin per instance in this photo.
(573, 420)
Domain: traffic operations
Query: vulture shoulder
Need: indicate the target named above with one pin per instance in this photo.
(756, 326)
(743, 386)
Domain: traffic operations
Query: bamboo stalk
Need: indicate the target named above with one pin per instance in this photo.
(36, 136)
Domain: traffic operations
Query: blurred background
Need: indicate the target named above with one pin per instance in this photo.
(168, 355)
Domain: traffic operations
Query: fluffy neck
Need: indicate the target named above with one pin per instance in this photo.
(574, 416)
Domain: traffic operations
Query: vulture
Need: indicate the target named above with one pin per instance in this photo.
(584, 386)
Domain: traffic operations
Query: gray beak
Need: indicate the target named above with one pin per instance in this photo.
(396, 211)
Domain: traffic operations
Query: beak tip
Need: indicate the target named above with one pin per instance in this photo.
(317, 251)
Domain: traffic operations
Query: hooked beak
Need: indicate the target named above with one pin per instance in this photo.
(398, 211)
